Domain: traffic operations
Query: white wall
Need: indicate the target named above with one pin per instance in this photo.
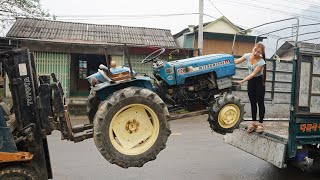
(220, 27)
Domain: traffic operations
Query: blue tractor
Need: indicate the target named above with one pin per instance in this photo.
(130, 113)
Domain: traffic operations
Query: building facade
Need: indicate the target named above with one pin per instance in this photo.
(218, 37)
(74, 51)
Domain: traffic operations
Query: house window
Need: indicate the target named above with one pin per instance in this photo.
(82, 69)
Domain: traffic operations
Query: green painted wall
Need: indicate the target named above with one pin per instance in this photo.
(58, 63)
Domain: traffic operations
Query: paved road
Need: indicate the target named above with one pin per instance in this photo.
(193, 152)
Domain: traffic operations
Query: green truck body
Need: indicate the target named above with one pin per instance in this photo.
(296, 140)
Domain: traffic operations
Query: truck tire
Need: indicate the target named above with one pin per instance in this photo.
(18, 172)
(92, 105)
(226, 114)
(130, 127)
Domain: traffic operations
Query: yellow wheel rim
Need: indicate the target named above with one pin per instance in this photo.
(134, 129)
(229, 116)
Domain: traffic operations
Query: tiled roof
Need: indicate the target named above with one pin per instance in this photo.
(71, 32)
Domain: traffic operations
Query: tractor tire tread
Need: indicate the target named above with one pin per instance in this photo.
(14, 171)
(92, 105)
(111, 154)
(215, 109)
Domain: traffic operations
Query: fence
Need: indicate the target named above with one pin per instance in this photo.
(278, 88)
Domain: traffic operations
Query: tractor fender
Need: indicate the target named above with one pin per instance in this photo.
(105, 89)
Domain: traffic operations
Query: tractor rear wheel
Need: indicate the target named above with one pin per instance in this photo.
(226, 114)
(92, 105)
(18, 172)
(130, 127)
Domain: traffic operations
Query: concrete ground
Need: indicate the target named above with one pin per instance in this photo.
(192, 152)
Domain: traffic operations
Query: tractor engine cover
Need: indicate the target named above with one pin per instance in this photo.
(176, 72)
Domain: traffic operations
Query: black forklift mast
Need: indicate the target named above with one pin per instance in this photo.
(20, 69)
(39, 107)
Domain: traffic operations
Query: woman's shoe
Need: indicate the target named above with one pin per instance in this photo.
(259, 128)
(251, 128)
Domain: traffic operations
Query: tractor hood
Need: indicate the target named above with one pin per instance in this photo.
(222, 65)
(201, 60)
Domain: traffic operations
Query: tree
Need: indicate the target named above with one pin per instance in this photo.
(10, 9)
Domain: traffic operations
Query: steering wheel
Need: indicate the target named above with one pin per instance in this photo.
(153, 55)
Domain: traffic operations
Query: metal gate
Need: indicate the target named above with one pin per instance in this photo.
(58, 63)
(308, 99)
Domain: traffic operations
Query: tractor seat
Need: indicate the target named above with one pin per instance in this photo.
(116, 73)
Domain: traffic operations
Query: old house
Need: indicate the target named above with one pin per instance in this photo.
(75, 50)
(286, 50)
(218, 37)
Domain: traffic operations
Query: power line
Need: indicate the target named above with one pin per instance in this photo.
(269, 35)
(119, 17)
(311, 1)
(286, 6)
(209, 16)
(260, 32)
(304, 2)
(216, 8)
(274, 10)
(104, 17)
(127, 15)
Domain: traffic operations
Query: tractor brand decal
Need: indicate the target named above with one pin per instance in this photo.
(207, 66)
(214, 64)
(309, 127)
(27, 87)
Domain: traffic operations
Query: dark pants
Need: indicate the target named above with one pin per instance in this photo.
(256, 92)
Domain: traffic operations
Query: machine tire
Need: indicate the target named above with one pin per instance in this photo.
(316, 165)
(226, 114)
(18, 172)
(92, 104)
(118, 131)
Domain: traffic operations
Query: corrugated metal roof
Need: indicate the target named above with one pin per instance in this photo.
(71, 32)
(288, 46)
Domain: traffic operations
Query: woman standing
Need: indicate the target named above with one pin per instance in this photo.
(256, 64)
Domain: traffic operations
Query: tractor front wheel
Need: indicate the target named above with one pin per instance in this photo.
(226, 114)
(130, 127)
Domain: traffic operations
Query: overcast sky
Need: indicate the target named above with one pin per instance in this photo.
(176, 15)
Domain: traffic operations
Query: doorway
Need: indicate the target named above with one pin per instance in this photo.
(82, 66)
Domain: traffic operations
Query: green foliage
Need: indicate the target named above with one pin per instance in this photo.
(10, 9)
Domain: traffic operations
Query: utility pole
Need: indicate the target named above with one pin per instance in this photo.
(200, 29)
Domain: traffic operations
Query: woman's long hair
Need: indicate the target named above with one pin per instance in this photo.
(264, 76)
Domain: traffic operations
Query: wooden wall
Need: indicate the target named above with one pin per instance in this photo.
(212, 46)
